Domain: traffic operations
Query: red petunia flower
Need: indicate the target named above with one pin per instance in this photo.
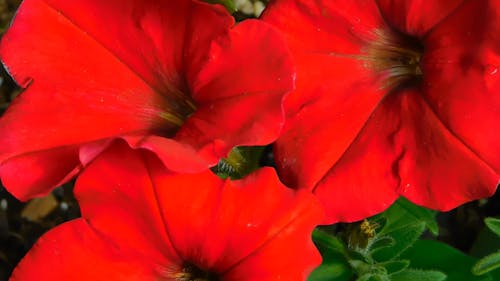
(170, 76)
(393, 97)
(142, 222)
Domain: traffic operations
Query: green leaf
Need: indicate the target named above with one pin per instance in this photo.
(493, 224)
(418, 275)
(331, 271)
(327, 241)
(404, 222)
(487, 264)
(403, 213)
(403, 237)
(335, 266)
(229, 4)
(434, 255)
(373, 277)
(381, 242)
(395, 266)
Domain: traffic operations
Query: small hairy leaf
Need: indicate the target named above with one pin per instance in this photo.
(335, 266)
(487, 264)
(395, 266)
(493, 224)
(403, 239)
(418, 275)
(403, 213)
(434, 255)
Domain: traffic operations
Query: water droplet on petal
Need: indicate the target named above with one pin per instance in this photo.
(491, 69)
(405, 188)
(490, 77)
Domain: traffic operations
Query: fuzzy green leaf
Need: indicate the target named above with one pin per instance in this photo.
(434, 255)
(404, 213)
(493, 224)
(335, 266)
(487, 264)
(404, 238)
(381, 242)
(418, 275)
(395, 266)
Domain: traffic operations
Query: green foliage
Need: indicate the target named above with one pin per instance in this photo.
(404, 222)
(491, 261)
(388, 247)
(493, 224)
(487, 264)
(229, 4)
(428, 254)
(403, 213)
(370, 249)
(418, 275)
(335, 265)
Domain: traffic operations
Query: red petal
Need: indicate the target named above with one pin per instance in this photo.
(75, 251)
(437, 170)
(229, 221)
(239, 93)
(118, 199)
(324, 26)
(286, 255)
(158, 40)
(335, 92)
(462, 84)
(175, 156)
(404, 148)
(35, 174)
(362, 182)
(417, 17)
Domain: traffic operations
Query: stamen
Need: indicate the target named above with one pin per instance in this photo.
(179, 106)
(191, 272)
(174, 119)
(395, 57)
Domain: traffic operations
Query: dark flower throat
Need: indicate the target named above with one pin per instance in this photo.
(191, 272)
(396, 57)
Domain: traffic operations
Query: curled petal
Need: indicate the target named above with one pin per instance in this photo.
(240, 91)
(45, 169)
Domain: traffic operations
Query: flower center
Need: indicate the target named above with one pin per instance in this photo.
(179, 106)
(396, 57)
(191, 272)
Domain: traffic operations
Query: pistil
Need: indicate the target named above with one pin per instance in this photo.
(395, 57)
